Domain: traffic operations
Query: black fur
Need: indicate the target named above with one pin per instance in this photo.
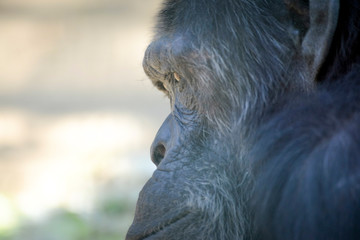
(307, 166)
(307, 156)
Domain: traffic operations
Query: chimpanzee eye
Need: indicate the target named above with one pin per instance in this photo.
(170, 81)
(176, 76)
(160, 86)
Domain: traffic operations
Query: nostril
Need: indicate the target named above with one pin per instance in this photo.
(158, 154)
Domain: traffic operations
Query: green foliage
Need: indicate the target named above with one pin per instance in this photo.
(109, 221)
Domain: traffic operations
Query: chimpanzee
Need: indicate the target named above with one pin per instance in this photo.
(263, 138)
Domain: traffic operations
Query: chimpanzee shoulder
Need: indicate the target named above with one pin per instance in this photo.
(306, 161)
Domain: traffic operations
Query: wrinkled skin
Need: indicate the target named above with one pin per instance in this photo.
(232, 69)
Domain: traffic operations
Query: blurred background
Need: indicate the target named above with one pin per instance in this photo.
(77, 117)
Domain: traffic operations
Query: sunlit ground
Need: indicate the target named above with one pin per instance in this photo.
(77, 117)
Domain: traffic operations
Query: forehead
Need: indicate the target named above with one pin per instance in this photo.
(196, 16)
(216, 20)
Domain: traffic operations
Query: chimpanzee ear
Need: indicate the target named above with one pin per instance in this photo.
(323, 16)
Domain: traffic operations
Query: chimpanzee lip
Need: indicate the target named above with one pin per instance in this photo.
(154, 230)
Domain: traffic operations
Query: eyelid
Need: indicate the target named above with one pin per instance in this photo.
(160, 85)
(166, 88)
(168, 79)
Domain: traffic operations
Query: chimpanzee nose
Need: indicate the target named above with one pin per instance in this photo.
(158, 153)
(161, 142)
